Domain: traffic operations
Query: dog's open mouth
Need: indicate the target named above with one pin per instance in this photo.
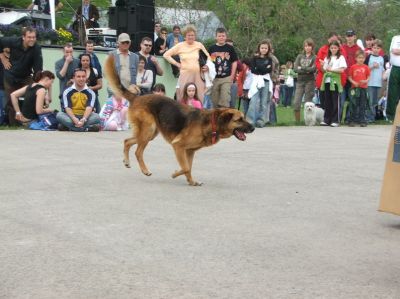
(239, 135)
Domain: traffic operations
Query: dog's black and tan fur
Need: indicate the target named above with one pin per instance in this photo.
(185, 128)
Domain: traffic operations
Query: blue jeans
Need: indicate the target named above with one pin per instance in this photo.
(64, 119)
(373, 94)
(259, 107)
(2, 111)
(287, 100)
(207, 104)
(234, 89)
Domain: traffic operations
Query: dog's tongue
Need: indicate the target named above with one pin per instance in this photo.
(239, 135)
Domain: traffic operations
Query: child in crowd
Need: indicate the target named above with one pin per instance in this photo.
(261, 87)
(113, 114)
(159, 89)
(305, 68)
(381, 109)
(243, 79)
(376, 63)
(333, 66)
(190, 96)
(289, 84)
(359, 75)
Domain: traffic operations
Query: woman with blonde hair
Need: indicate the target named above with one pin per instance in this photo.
(189, 66)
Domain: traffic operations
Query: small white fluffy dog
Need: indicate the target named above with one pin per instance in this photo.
(313, 115)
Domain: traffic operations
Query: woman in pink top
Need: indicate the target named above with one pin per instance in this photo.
(188, 52)
(190, 96)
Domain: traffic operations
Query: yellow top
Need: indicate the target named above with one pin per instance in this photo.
(188, 54)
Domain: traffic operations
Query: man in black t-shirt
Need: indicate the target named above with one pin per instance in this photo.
(225, 60)
(24, 61)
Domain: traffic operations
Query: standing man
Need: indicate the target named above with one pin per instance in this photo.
(174, 38)
(94, 60)
(157, 30)
(126, 62)
(25, 57)
(350, 48)
(151, 61)
(225, 59)
(394, 78)
(90, 14)
(78, 103)
(65, 68)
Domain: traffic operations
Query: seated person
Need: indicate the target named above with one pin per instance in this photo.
(35, 102)
(78, 102)
(144, 78)
(113, 114)
(94, 79)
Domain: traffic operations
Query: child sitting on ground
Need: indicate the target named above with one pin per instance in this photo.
(190, 96)
(113, 114)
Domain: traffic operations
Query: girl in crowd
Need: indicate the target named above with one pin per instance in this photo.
(289, 84)
(260, 91)
(188, 52)
(144, 78)
(94, 79)
(35, 104)
(113, 114)
(305, 68)
(243, 79)
(333, 66)
(190, 96)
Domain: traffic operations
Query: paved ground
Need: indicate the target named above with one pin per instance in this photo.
(290, 213)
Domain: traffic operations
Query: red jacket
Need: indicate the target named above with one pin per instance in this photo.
(321, 55)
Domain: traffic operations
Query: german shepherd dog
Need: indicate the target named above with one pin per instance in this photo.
(187, 129)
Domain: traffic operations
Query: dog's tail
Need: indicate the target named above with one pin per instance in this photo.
(115, 83)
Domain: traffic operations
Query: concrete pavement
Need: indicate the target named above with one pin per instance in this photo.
(290, 213)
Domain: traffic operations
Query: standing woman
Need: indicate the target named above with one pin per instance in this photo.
(35, 103)
(188, 52)
(333, 66)
(94, 79)
(305, 68)
(260, 91)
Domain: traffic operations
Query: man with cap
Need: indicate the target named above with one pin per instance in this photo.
(351, 49)
(126, 62)
(394, 78)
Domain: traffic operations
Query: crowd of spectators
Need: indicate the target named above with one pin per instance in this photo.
(342, 71)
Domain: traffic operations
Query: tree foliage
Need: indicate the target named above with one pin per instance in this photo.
(288, 22)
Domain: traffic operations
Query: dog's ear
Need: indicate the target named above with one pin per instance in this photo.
(226, 117)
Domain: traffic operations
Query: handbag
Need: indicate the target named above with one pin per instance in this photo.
(48, 120)
(202, 58)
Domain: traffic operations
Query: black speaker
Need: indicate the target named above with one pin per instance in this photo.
(136, 19)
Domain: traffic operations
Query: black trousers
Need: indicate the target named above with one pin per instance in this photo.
(331, 99)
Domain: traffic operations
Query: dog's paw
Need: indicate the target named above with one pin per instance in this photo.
(127, 164)
(175, 174)
(194, 183)
(147, 173)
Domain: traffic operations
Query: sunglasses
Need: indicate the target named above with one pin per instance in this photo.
(147, 45)
(125, 42)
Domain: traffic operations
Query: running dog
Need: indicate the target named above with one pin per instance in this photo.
(185, 128)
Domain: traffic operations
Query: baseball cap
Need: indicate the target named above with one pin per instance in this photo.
(350, 32)
(124, 37)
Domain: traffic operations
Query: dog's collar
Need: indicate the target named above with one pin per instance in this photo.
(213, 128)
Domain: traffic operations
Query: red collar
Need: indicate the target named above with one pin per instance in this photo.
(213, 128)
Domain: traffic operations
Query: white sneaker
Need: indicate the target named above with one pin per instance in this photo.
(334, 125)
(322, 123)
